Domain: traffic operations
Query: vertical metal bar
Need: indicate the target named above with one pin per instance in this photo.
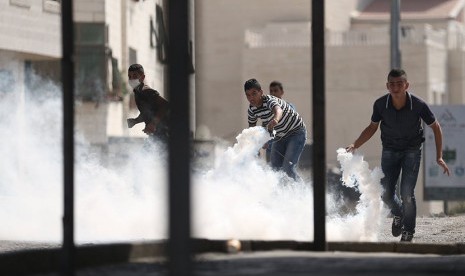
(319, 127)
(179, 248)
(67, 69)
(395, 47)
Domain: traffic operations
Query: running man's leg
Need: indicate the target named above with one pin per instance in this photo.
(295, 146)
(410, 169)
(391, 166)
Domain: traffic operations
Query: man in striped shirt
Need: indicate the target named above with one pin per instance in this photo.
(276, 89)
(282, 120)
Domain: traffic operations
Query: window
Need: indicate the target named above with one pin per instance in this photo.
(159, 33)
(90, 34)
(21, 3)
(53, 6)
(7, 81)
(91, 63)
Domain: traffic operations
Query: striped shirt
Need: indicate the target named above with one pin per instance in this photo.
(290, 121)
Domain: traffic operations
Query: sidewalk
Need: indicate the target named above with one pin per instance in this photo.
(254, 258)
(285, 263)
(438, 248)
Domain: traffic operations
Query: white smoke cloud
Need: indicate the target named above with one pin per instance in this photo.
(243, 198)
(112, 203)
(240, 197)
(370, 212)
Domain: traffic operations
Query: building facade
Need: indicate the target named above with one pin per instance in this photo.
(109, 36)
(263, 39)
(273, 42)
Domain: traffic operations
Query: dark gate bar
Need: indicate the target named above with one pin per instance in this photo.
(319, 125)
(67, 71)
(179, 248)
(395, 48)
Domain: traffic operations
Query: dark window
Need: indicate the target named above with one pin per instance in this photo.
(90, 34)
(7, 81)
(91, 61)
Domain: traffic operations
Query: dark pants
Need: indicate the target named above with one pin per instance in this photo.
(405, 164)
(285, 152)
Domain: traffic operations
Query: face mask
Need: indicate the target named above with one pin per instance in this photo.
(134, 83)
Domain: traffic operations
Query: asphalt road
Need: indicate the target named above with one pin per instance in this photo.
(431, 230)
(285, 263)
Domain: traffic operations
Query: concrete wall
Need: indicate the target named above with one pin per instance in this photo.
(357, 65)
(339, 13)
(455, 76)
(290, 66)
(355, 78)
(219, 42)
(29, 29)
(220, 29)
(138, 37)
(128, 25)
(113, 18)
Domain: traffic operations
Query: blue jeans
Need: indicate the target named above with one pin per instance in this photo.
(405, 164)
(285, 152)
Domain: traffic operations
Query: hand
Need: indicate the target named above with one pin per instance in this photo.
(443, 164)
(131, 122)
(149, 128)
(272, 124)
(350, 148)
(266, 145)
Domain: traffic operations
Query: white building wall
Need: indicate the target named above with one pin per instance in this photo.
(113, 19)
(89, 10)
(90, 118)
(138, 37)
(287, 65)
(219, 42)
(30, 30)
(339, 13)
(357, 65)
(128, 25)
(456, 76)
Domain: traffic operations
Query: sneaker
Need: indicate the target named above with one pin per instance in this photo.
(406, 236)
(396, 226)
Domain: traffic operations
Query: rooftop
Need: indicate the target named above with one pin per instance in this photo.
(412, 10)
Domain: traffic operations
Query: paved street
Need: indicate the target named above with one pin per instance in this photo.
(432, 230)
(296, 263)
(436, 230)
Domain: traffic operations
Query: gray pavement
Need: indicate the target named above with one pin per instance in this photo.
(438, 249)
(295, 263)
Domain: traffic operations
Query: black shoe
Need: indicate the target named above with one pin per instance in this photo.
(396, 226)
(406, 236)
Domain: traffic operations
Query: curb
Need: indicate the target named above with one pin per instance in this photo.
(31, 261)
(47, 260)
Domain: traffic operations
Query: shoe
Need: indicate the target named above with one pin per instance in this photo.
(406, 236)
(396, 226)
